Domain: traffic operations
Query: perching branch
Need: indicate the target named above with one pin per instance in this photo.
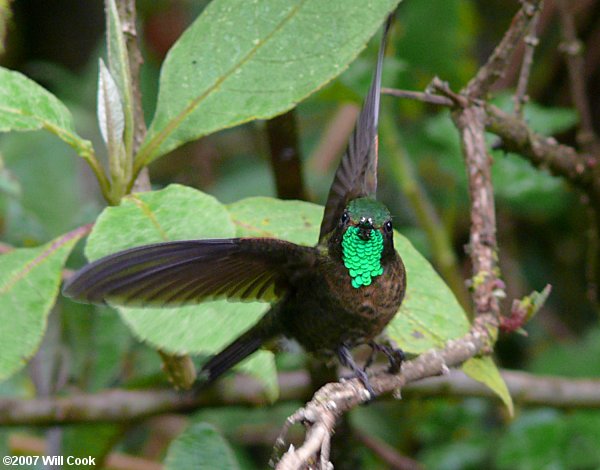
(335, 399)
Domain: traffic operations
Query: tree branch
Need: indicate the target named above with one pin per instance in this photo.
(130, 405)
(494, 68)
(543, 152)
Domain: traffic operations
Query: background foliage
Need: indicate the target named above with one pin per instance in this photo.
(46, 191)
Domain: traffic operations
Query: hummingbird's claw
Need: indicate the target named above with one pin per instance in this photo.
(347, 360)
(394, 355)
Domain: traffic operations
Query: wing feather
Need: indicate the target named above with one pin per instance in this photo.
(182, 272)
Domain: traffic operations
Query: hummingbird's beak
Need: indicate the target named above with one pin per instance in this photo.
(364, 228)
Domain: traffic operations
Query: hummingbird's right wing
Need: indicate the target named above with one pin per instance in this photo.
(190, 271)
(357, 174)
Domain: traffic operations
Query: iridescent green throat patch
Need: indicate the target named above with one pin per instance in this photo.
(362, 257)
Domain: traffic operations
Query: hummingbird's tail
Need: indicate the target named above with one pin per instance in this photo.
(238, 350)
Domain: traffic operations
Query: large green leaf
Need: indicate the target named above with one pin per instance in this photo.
(243, 60)
(26, 106)
(29, 281)
(180, 213)
(200, 447)
(430, 314)
(294, 221)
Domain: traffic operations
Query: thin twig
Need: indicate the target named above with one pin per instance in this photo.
(531, 41)
(483, 247)
(543, 152)
(494, 68)
(586, 136)
(573, 49)
(388, 454)
(425, 97)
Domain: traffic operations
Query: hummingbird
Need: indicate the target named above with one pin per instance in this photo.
(330, 298)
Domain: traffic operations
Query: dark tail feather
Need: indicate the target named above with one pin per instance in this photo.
(237, 351)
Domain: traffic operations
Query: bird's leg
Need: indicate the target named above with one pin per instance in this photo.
(347, 360)
(394, 355)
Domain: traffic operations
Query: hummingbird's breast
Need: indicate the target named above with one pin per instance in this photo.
(325, 311)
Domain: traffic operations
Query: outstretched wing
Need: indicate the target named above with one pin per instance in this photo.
(183, 272)
(357, 174)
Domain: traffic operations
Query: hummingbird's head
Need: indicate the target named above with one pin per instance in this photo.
(364, 240)
(366, 215)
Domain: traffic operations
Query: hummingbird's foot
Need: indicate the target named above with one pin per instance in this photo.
(347, 360)
(394, 355)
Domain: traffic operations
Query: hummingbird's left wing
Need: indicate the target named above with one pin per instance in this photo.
(356, 175)
(190, 271)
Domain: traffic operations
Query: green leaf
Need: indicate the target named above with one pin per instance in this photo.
(294, 221)
(243, 60)
(26, 106)
(200, 447)
(118, 64)
(485, 371)
(29, 281)
(174, 213)
(54, 210)
(180, 213)
(111, 118)
(430, 315)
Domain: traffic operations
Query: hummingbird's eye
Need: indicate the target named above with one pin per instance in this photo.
(345, 217)
(388, 226)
